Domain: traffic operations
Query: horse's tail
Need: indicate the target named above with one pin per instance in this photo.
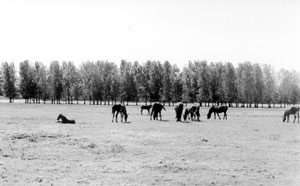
(164, 108)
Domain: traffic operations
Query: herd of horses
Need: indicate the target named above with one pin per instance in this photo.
(191, 112)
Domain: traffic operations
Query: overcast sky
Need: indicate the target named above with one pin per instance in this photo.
(260, 31)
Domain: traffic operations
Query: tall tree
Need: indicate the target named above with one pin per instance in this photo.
(155, 83)
(230, 79)
(187, 78)
(245, 83)
(204, 82)
(269, 84)
(9, 80)
(56, 84)
(128, 90)
(68, 80)
(78, 86)
(217, 91)
(258, 85)
(87, 76)
(28, 83)
(167, 82)
(115, 84)
(110, 82)
(42, 79)
(135, 71)
(98, 82)
(143, 81)
(289, 90)
(176, 90)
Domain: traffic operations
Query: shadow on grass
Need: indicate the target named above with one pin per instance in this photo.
(196, 121)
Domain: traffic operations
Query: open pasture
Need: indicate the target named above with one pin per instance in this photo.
(252, 147)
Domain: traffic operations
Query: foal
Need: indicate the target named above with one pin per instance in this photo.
(145, 107)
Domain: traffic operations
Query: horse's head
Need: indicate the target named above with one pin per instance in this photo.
(186, 113)
(59, 116)
(210, 111)
(125, 117)
(284, 117)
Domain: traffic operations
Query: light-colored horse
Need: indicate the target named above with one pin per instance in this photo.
(292, 110)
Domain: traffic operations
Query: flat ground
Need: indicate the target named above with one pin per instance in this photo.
(252, 147)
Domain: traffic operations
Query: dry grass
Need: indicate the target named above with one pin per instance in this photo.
(253, 147)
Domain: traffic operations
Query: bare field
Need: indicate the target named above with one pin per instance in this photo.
(252, 147)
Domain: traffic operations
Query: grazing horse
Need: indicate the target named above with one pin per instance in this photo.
(145, 107)
(292, 110)
(217, 109)
(194, 112)
(178, 111)
(118, 108)
(64, 119)
(156, 109)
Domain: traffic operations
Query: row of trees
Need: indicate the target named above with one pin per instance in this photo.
(103, 82)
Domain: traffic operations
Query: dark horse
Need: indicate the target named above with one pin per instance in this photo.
(145, 107)
(292, 110)
(118, 108)
(217, 109)
(156, 109)
(194, 112)
(64, 119)
(178, 111)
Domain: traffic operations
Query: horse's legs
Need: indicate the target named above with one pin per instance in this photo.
(117, 117)
(151, 114)
(215, 115)
(113, 117)
(160, 115)
(225, 115)
(141, 111)
(218, 115)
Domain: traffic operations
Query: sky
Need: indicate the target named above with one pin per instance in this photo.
(259, 31)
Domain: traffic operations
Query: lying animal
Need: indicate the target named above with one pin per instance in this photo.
(64, 119)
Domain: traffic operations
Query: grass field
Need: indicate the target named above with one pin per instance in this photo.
(252, 147)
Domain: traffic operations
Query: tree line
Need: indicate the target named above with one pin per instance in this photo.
(104, 82)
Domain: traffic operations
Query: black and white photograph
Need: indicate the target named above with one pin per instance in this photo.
(149, 92)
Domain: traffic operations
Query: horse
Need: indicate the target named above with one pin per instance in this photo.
(156, 109)
(64, 119)
(145, 107)
(118, 108)
(194, 112)
(217, 109)
(178, 111)
(292, 110)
